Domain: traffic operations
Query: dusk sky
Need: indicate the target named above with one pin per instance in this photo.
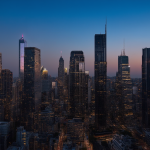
(65, 25)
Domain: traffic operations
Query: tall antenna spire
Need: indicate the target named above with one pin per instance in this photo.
(106, 26)
(124, 47)
(61, 53)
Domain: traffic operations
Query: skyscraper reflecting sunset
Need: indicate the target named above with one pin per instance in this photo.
(22, 45)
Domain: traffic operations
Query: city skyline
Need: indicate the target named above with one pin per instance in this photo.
(75, 30)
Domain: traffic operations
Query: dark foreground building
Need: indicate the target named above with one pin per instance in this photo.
(146, 87)
(32, 85)
(77, 84)
(100, 79)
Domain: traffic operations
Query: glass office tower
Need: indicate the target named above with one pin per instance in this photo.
(124, 91)
(77, 84)
(22, 44)
(100, 79)
(146, 87)
(32, 85)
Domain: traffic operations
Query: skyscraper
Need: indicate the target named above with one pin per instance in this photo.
(22, 44)
(0, 63)
(124, 90)
(65, 89)
(146, 87)
(1, 103)
(32, 85)
(100, 79)
(6, 93)
(77, 84)
(60, 77)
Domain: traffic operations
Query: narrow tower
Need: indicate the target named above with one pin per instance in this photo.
(22, 44)
(100, 79)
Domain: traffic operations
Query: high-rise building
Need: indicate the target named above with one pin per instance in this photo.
(60, 77)
(100, 79)
(0, 63)
(1, 104)
(65, 89)
(146, 87)
(6, 94)
(32, 85)
(124, 90)
(22, 45)
(77, 84)
(45, 85)
(86, 89)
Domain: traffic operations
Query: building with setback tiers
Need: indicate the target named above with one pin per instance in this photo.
(32, 85)
(77, 84)
(100, 79)
(124, 90)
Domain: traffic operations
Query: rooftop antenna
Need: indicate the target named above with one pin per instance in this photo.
(61, 53)
(22, 35)
(121, 52)
(123, 47)
(106, 26)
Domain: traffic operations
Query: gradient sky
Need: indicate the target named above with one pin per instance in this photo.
(66, 25)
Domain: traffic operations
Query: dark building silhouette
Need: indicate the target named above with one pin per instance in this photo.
(1, 104)
(100, 79)
(22, 44)
(86, 89)
(65, 89)
(6, 94)
(32, 85)
(0, 62)
(146, 87)
(77, 84)
(60, 77)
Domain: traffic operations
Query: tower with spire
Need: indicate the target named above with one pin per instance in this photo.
(124, 90)
(60, 77)
(22, 45)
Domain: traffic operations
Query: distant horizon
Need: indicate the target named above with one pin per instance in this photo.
(71, 25)
(90, 76)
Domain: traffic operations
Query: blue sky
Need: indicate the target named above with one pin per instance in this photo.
(66, 25)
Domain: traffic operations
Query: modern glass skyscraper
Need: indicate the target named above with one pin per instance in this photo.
(77, 84)
(22, 44)
(146, 87)
(124, 90)
(100, 79)
(60, 77)
(32, 85)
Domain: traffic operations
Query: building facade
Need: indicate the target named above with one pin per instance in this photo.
(22, 45)
(60, 78)
(146, 87)
(6, 94)
(77, 84)
(32, 85)
(124, 91)
(100, 79)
